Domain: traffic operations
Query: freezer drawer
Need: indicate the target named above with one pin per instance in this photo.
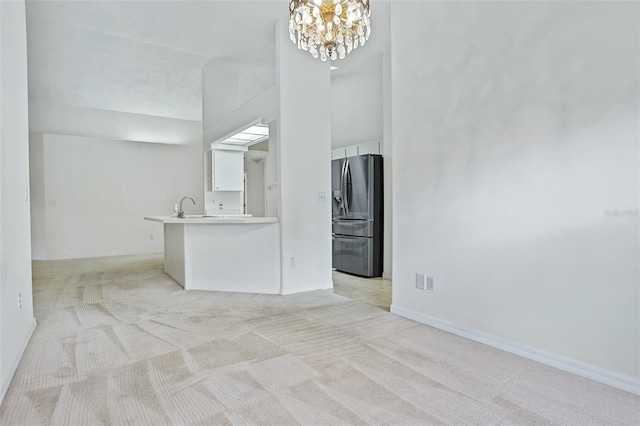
(354, 228)
(355, 255)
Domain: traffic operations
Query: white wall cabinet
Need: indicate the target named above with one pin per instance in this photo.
(369, 148)
(226, 172)
(338, 153)
(352, 150)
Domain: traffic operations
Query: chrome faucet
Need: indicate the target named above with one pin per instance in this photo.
(181, 212)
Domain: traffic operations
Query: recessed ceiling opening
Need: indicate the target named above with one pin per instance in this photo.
(249, 136)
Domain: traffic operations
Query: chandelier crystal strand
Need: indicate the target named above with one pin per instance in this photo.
(329, 29)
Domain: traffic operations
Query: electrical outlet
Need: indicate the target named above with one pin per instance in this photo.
(420, 281)
(151, 236)
(431, 283)
(52, 203)
(322, 197)
(20, 301)
(292, 262)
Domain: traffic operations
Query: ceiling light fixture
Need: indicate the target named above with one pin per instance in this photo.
(249, 136)
(329, 28)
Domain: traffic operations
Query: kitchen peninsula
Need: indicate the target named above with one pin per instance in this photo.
(223, 253)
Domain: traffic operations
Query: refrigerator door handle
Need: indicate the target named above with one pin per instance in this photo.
(347, 187)
(342, 188)
(343, 178)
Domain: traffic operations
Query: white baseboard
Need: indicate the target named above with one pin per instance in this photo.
(386, 275)
(321, 286)
(16, 360)
(578, 368)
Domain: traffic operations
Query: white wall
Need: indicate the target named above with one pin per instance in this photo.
(361, 113)
(16, 321)
(96, 192)
(297, 109)
(3, 385)
(515, 129)
(304, 144)
(234, 97)
(231, 202)
(255, 180)
(62, 119)
(356, 105)
(38, 197)
(230, 103)
(159, 180)
(387, 152)
(231, 86)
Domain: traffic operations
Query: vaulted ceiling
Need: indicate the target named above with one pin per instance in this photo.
(146, 57)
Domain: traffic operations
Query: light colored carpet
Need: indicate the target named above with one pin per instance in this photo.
(118, 342)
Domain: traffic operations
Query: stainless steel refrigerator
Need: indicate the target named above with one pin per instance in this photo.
(357, 199)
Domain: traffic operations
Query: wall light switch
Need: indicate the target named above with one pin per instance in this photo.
(421, 281)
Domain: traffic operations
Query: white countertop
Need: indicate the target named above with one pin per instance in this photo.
(213, 220)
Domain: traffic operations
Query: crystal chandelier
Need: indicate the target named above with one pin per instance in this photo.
(329, 28)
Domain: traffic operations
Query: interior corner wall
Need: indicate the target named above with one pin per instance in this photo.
(16, 306)
(96, 192)
(516, 174)
(304, 144)
(230, 103)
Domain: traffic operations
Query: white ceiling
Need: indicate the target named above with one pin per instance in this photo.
(146, 57)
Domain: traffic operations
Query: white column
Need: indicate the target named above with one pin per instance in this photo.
(304, 147)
